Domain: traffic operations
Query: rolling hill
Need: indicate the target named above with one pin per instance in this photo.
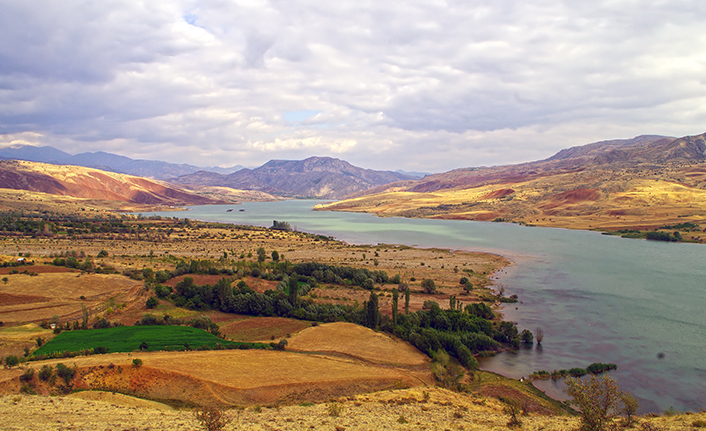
(87, 183)
(319, 177)
(639, 183)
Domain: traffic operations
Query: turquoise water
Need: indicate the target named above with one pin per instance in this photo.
(639, 304)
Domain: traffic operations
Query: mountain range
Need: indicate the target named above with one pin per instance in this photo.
(314, 177)
(107, 162)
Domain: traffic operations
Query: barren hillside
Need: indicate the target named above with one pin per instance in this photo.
(642, 183)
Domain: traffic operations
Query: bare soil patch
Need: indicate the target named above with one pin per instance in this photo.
(239, 377)
(263, 329)
(37, 298)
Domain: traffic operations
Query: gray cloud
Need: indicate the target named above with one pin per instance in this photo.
(423, 85)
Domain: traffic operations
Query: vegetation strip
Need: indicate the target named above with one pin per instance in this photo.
(132, 338)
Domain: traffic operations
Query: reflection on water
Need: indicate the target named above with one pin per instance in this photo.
(638, 304)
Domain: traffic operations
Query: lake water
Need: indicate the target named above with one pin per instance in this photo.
(638, 304)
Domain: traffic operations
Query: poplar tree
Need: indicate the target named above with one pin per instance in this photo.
(406, 300)
(293, 291)
(395, 304)
(372, 313)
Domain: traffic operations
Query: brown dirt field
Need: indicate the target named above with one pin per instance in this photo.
(261, 329)
(358, 342)
(50, 294)
(230, 377)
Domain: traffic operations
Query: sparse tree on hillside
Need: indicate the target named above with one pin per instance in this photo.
(275, 256)
(599, 399)
(428, 285)
(261, 254)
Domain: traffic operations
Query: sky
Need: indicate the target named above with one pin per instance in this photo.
(418, 85)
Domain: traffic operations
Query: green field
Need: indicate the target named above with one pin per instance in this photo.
(129, 339)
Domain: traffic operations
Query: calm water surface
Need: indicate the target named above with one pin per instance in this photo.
(639, 304)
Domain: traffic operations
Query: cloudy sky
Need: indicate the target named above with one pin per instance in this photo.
(419, 85)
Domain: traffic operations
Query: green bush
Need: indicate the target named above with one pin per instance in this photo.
(66, 373)
(45, 373)
(12, 361)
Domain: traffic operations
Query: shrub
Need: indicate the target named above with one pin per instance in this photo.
(65, 373)
(335, 409)
(100, 350)
(12, 361)
(152, 302)
(527, 337)
(28, 375)
(45, 373)
(513, 408)
(137, 363)
(102, 324)
(212, 418)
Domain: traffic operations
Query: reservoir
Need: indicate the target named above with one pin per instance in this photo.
(636, 303)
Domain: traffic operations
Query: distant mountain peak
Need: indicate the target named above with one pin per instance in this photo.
(317, 177)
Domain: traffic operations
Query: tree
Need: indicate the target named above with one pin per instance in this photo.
(372, 312)
(513, 408)
(406, 300)
(85, 314)
(152, 302)
(539, 335)
(261, 254)
(395, 305)
(275, 256)
(293, 291)
(630, 405)
(526, 336)
(445, 371)
(428, 285)
(598, 399)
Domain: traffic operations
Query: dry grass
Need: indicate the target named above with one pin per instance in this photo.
(613, 200)
(38, 298)
(357, 342)
(409, 409)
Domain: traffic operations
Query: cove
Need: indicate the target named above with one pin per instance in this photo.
(639, 304)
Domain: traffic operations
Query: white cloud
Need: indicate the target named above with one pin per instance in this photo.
(420, 85)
